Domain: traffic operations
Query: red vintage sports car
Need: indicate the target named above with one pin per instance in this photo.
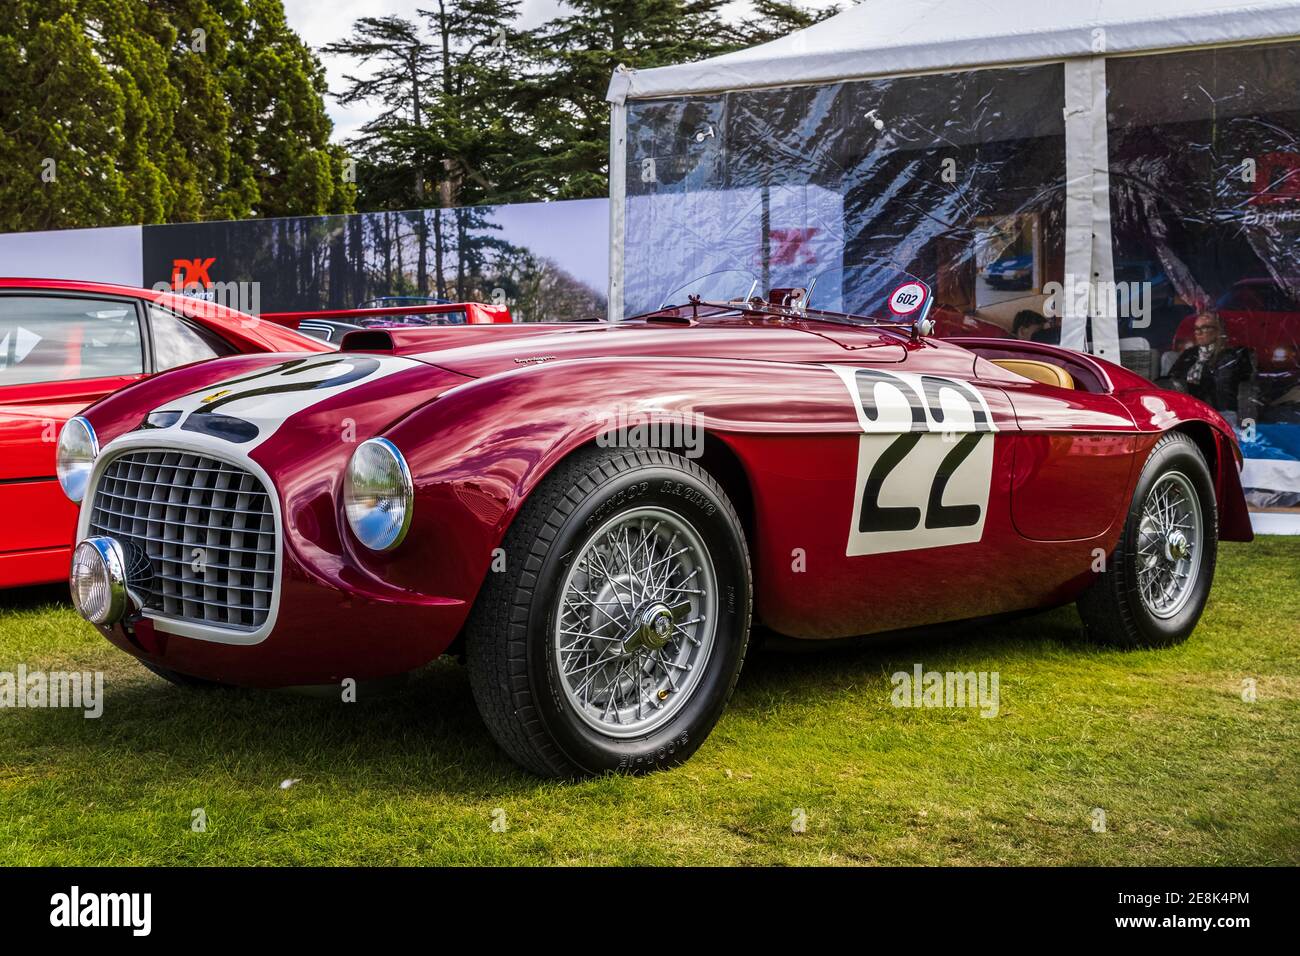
(592, 510)
(64, 344)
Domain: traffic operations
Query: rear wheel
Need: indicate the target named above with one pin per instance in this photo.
(1156, 581)
(615, 635)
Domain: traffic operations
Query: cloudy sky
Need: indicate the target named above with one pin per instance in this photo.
(322, 21)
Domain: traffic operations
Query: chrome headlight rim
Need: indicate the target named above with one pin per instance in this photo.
(109, 559)
(74, 474)
(404, 491)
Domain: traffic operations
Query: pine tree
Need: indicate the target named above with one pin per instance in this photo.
(475, 110)
(398, 59)
(481, 63)
(578, 52)
(447, 127)
(773, 19)
(449, 115)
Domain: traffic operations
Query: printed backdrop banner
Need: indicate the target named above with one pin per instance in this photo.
(545, 260)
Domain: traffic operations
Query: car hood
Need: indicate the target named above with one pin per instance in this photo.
(242, 402)
(257, 404)
(481, 350)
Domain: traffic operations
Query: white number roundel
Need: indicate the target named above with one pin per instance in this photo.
(907, 298)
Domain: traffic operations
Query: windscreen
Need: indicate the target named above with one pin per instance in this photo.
(873, 290)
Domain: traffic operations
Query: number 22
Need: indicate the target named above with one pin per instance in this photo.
(876, 517)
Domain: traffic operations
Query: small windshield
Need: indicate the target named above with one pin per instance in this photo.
(726, 285)
(872, 289)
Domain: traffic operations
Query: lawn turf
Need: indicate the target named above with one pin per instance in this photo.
(1185, 770)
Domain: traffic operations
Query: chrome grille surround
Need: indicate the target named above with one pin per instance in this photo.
(207, 527)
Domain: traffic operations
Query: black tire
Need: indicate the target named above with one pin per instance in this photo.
(1112, 608)
(185, 680)
(509, 636)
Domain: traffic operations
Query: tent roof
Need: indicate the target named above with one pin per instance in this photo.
(882, 37)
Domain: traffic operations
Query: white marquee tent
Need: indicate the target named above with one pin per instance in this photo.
(708, 158)
(896, 37)
(880, 37)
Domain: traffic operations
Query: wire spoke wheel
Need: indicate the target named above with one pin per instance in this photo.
(1170, 532)
(636, 622)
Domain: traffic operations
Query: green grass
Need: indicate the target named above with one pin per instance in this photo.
(1186, 771)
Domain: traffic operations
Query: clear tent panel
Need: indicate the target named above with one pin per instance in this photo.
(956, 177)
(1204, 157)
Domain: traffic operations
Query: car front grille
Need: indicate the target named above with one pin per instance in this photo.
(200, 532)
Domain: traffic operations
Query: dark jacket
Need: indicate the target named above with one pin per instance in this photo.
(1218, 381)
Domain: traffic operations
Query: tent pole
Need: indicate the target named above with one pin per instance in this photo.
(1105, 328)
(617, 199)
(1088, 258)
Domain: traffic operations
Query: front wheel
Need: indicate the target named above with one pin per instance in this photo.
(1155, 583)
(615, 634)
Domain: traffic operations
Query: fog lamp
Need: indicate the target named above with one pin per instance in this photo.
(98, 580)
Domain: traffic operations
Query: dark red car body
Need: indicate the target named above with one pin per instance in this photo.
(37, 519)
(483, 413)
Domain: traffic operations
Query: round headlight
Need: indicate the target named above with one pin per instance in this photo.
(98, 580)
(378, 494)
(75, 457)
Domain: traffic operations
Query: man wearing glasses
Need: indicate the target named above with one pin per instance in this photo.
(1218, 374)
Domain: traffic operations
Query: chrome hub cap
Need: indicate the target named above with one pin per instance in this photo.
(1176, 546)
(1169, 536)
(636, 622)
(657, 623)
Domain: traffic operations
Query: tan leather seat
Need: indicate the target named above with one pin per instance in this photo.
(1044, 372)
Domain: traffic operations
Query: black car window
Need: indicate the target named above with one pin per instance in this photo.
(177, 341)
(49, 338)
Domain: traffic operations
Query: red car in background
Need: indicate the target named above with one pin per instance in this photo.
(66, 344)
(332, 324)
(1259, 314)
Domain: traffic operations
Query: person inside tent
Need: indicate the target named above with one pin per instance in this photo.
(1217, 373)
